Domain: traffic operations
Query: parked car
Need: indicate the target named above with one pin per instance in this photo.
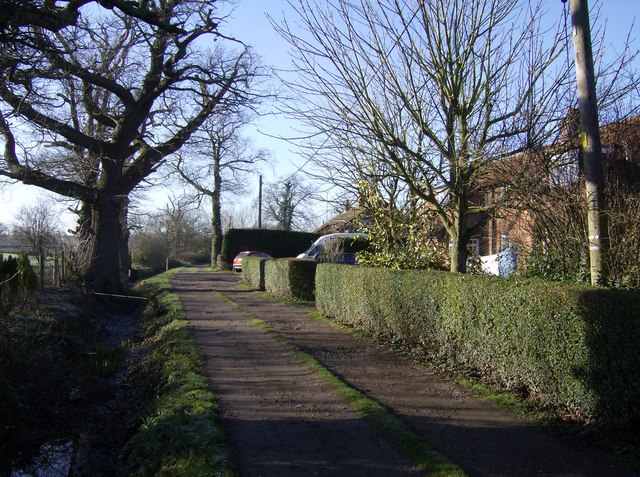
(323, 249)
(237, 261)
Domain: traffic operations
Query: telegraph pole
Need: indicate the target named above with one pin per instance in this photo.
(260, 202)
(590, 138)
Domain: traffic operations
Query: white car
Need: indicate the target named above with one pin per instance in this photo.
(317, 249)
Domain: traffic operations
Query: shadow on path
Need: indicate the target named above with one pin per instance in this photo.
(281, 418)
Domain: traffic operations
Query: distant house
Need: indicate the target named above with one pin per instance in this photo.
(12, 244)
(351, 219)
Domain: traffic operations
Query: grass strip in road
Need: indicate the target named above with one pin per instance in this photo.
(393, 429)
(226, 299)
(181, 434)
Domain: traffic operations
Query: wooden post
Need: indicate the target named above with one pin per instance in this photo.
(56, 270)
(590, 138)
(42, 258)
(260, 203)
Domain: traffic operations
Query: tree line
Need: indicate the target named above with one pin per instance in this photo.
(411, 107)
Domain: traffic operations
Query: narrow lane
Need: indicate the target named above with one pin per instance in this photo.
(281, 418)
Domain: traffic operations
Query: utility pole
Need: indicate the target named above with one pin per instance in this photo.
(590, 138)
(260, 202)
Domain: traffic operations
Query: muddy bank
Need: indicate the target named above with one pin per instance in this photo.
(66, 400)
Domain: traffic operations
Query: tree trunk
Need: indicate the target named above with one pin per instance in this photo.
(103, 273)
(125, 256)
(458, 254)
(459, 238)
(216, 236)
(216, 218)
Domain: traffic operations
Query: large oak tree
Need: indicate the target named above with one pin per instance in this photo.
(90, 108)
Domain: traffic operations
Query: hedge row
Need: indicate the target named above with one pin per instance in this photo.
(253, 271)
(287, 278)
(290, 278)
(277, 243)
(571, 348)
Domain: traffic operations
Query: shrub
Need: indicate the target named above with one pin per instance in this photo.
(27, 279)
(17, 280)
(569, 347)
(197, 257)
(402, 234)
(150, 251)
(277, 243)
(290, 278)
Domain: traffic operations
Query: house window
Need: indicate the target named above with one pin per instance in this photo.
(566, 168)
(474, 246)
(504, 242)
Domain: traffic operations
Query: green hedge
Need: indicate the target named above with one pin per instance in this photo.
(277, 243)
(290, 278)
(253, 271)
(571, 348)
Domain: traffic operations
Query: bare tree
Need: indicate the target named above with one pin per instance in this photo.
(181, 225)
(288, 204)
(239, 216)
(55, 15)
(437, 92)
(140, 90)
(37, 225)
(217, 159)
(178, 231)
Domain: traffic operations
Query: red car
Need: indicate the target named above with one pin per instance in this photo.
(237, 262)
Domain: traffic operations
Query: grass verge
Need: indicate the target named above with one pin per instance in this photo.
(181, 434)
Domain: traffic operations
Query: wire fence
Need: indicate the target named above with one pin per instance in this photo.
(51, 269)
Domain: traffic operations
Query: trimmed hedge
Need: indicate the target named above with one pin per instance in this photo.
(277, 243)
(253, 271)
(570, 347)
(290, 278)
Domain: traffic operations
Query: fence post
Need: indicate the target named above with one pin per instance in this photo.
(56, 269)
(42, 257)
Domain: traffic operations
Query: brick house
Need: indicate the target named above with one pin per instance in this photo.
(537, 176)
(513, 227)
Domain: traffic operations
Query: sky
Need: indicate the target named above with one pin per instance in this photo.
(249, 23)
